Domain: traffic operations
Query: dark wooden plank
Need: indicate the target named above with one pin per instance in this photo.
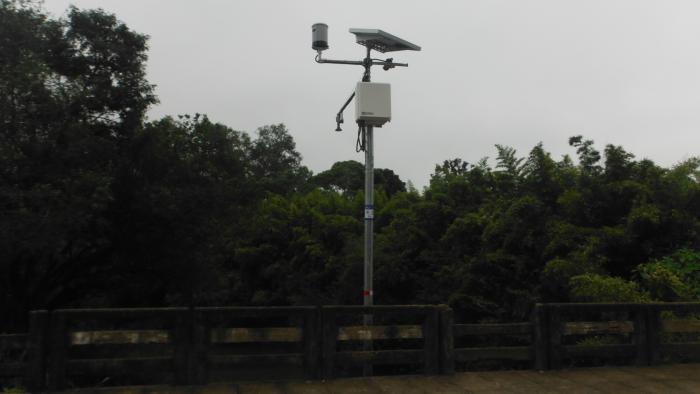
(58, 350)
(639, 337)
(107, 318)
(201, 346)
(116, 319)
(541, 337)
(214, 314)
(13, 341)
(555, 334)
(602, 351)
(654, 335)
(364, 333)
(675, 306)
(35, 372)
(359, 358)
(121, 366)
(598, 327)
(493, 329)
(585, 307)
(431, 341)
(233, 360)
(574, 308)
(121, 350)
(312, 343)
(493, 353)
(256, 310)
(685, 326)
(183, 359)
(255, 334)
(329, 333)
(686, 349)
(11, 370)
(447, 357)
(118, 312)
(100, 337)
(397, 310)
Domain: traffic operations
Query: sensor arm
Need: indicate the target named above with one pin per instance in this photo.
(386, 63)
(339, 115)
(357, 63)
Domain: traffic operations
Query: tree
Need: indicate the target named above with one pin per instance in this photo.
(345, 177)
(185, 195)
(348, 177)
(597, 288)
(72, 92)
(672, 277)
(587, 154)
(274, 162)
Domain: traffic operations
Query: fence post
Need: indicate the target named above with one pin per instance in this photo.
(182, 342)
(58, 351)
(35, 371)
(654, 330)
(330, 336)
(200, 347)
(431, 341)
(641, 335)
(447, 345)
(555, 334)
(312, 327)
(541, 333)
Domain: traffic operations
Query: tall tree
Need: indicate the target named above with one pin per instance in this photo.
(275, 163)
(72, 92)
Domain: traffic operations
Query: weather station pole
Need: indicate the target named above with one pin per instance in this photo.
(368, 291)
(372, 109)
(378, 99)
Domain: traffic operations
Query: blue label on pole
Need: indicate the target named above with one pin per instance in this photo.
(369, 212)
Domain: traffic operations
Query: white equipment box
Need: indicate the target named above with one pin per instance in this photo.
(373, 103)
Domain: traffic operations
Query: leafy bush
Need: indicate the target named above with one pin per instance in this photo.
(675, 277)
(599, 288)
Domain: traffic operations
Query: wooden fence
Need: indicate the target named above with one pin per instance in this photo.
(89, 347)
(393, 323)
(644, 334)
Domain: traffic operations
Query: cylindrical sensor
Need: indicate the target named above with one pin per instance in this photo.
(319, 36)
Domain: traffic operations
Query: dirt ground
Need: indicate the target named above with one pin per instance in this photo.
(683, 378)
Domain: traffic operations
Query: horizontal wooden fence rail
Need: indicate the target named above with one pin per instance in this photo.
(74, 347)
(671, 332)
(518, 353)
(141, 345)
(293, 336)
(645, 333)
(425, 326)
(22, 356)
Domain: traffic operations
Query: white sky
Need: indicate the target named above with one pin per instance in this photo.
(515, 72)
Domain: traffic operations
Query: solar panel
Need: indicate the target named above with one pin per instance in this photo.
(382, 41)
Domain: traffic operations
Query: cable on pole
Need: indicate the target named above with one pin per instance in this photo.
(360, 143)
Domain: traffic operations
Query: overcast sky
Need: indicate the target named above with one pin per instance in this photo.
(625, 72)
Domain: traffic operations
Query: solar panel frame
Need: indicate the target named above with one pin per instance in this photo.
(382, 41)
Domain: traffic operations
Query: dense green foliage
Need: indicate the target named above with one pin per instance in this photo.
(100, 208)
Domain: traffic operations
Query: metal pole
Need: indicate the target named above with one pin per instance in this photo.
(369, 217)
(368, 292)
